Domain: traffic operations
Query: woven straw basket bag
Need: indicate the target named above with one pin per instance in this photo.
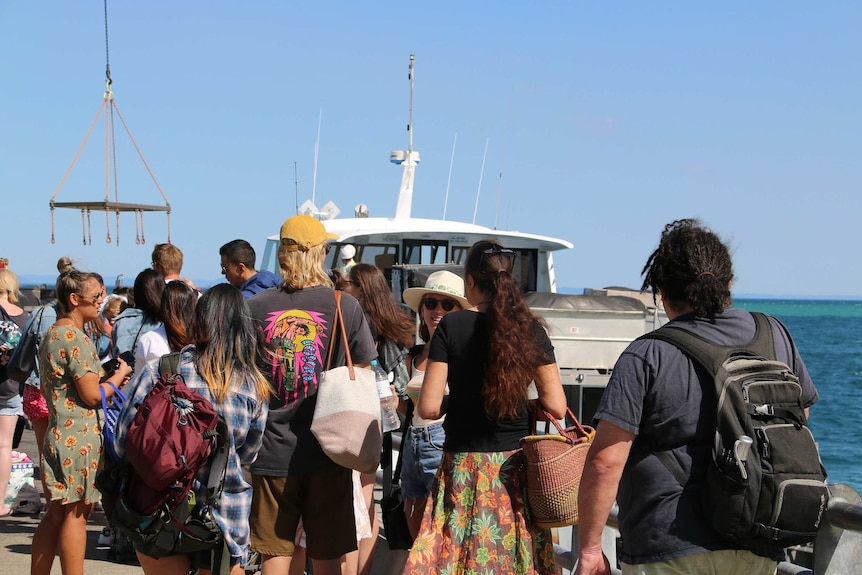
(555, 463)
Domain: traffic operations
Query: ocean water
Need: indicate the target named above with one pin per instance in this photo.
(828, 335)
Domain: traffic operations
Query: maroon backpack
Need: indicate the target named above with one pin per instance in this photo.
(169, 440)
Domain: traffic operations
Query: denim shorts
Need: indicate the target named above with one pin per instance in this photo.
(12, 406)
(422, 452)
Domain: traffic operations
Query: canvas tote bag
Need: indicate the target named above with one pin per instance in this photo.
(346, 419)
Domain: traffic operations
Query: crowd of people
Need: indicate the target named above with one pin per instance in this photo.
(255, 348)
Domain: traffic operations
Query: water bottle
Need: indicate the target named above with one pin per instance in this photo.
(388, 415)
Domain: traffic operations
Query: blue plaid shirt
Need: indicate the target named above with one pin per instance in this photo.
(245, 415)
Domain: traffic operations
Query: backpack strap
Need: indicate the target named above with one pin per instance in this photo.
(169, 363)
(137, 335)
(711, 357)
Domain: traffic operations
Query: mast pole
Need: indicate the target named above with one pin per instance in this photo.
(407, 159)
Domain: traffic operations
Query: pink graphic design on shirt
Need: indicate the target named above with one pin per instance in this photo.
(297, 338)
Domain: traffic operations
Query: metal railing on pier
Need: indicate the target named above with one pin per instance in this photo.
(837, 549)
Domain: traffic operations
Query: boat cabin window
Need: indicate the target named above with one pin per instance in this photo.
(425, 252)
(526, 265)
(383, 256)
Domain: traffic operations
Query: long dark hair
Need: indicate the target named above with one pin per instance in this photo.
(692, 266)
(390, 321)
(149, 285)
(177, 313)
(226, 343)
(512, 359)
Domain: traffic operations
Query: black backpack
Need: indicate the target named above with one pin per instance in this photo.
(765, 487)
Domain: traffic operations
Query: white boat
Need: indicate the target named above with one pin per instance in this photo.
(588, 331)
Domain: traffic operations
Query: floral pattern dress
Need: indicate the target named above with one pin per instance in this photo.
(478, 523)
(73, 444)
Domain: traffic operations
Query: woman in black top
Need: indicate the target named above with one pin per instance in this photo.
(489, 355)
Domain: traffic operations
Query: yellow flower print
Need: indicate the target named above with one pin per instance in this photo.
(68, 423)
(79, 490)
(69, 335)
(71, 441)
(58, 371)
(71, 479)
(82, 451)
(424, 547)
(59, 486)
(76, 352)
(67, 462)
(94, 465)
(69, 403)
(85, 472)
(62, 353)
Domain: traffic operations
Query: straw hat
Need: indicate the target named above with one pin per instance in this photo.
(441, 282)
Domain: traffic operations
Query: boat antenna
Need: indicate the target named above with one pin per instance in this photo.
(296, 186)
(407, 159)
(449, 180)
(502, 161)
(316, 149)
(481, 175)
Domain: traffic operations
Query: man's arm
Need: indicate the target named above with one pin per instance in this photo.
(602, 472)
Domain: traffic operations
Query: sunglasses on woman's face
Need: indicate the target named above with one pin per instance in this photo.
(431, 304)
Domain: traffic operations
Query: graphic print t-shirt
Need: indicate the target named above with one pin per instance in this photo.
(297, 327)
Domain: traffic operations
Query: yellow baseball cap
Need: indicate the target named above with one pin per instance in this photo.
(303, 233)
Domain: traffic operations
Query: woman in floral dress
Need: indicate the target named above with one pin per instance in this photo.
(70, 376)
(489, 354)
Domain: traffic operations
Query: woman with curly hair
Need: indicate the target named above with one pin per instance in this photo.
(70, 376)
(489, 355)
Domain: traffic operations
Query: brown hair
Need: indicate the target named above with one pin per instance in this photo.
(390, 321)
(177, 313)
(512, 359)
(168, 258)
(68, 283)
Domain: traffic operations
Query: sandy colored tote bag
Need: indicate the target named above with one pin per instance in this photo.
(346, 419)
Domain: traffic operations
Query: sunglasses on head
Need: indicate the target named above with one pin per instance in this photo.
(431, 304)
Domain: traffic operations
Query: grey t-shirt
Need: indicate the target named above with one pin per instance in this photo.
(297, 326)
(655, 393)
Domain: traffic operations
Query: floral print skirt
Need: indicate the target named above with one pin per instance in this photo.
(477, 522)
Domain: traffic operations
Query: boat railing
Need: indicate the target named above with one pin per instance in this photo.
(837, 548)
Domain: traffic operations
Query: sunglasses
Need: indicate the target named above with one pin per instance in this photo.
(447, 304)
(93, 299)
(499, 251)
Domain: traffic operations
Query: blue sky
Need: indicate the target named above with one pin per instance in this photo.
(608, 120)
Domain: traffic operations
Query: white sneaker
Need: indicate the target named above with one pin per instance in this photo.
(105, 537)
